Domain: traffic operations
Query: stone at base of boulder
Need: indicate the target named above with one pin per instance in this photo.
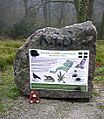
(69, 99)
(63, 94)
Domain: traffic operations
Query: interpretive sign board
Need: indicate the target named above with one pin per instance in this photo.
(59, 70)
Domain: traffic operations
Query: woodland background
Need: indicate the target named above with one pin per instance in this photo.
(20, 18)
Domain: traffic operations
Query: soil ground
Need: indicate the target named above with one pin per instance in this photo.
(58, 109)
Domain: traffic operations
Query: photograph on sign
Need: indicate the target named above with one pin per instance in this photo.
(59, 70)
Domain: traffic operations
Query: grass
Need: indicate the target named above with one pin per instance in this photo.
(7, 51)
(100, 53)
(12, 43)
(99, 71)
(2, 107)
(8, 89)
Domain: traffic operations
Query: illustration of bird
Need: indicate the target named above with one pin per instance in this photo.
(35, 76)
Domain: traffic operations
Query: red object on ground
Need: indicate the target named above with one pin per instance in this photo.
(34, 97)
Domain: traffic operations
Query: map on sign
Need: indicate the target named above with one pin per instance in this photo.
(59, 70)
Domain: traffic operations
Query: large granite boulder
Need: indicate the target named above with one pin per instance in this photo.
(75, 37)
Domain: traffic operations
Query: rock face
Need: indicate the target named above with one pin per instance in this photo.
(75, 37)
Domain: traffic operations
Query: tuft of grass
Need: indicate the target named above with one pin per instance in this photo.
(2, 107)
(5, 107)
(99, 75)
(99, 71)
(13, 93)
(99, 79)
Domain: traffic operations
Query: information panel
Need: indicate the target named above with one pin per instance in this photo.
(59, 70)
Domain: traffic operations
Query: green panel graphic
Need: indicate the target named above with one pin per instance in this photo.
(58, 87)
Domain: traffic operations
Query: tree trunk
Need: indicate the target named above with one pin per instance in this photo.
(49, 14)
(26, 7)
(45, 13)
(90, 9)
(76, 3)
(61, 15)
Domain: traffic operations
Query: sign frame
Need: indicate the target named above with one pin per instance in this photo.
(83, 56)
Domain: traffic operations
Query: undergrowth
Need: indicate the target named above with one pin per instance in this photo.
(8, 89)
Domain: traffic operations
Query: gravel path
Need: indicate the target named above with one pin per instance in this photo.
(58, 109)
